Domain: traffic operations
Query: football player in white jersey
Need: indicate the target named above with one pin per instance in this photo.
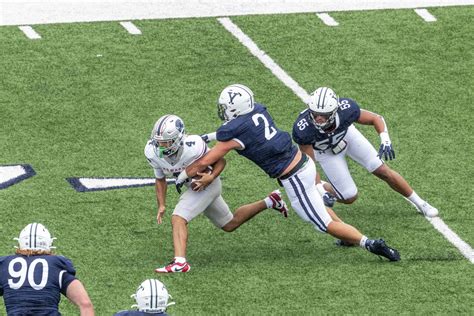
(170, 151)
(326, 132)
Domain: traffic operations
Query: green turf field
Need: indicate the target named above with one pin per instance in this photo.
(68, 112)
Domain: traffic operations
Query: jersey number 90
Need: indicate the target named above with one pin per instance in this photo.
(19, 271)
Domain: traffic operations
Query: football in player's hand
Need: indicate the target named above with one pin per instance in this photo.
(208, 170)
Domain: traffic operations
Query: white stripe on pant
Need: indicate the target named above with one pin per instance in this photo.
(305, 198)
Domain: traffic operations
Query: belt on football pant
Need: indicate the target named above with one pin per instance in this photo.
(296, 168)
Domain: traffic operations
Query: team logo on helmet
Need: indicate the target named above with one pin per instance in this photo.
(234, 100)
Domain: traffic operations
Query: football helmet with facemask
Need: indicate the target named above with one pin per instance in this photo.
(152, 297)
(167, 135)
(323, 102)
(234, 100)
(35, 237)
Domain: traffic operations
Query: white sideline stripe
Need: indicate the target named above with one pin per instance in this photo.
(264, 58)
(131, 28)
(28, 12)
(327, 19)
(29, 32)
(425, 15)
(453, 238)
(94, 183)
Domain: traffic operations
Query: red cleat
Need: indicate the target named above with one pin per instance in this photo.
(174, 267)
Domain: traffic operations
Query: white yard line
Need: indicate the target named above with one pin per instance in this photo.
(243, 38)
(453, 238)
(131, 28)
(327, 19)
(264, 58)
(29, 12)
(425, 15)
(29, 32)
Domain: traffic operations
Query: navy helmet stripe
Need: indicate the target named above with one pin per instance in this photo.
(310, 204)
(36, 232)
(293, 184)
(31, 234)
(319, 98)
(161, 123)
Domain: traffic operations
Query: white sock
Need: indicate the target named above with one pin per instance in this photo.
(268, 202)
(362, 241)
(180, 259)
(416, 199)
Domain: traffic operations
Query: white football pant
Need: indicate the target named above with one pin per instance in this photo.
(209, 201)
(305, 198)
(335, 166)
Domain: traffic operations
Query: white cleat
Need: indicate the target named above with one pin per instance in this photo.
(427, 210)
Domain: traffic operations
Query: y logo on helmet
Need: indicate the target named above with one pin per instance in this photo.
(232, 96)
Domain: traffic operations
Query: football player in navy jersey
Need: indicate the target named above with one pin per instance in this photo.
(32, 280)
(152, 299)
(249, 129)
(326, 132)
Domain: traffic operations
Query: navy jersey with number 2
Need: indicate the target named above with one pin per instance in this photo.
(32, 285)
(306, 133)
(263, 143)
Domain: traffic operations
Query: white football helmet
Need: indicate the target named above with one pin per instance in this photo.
(168, 134)
(35, 237)
(234, 100)
(152, 297)
(325, 102)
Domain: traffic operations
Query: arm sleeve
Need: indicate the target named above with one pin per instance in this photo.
(2, 259)
(159, 174)
(67, 274)
(299, 136)
(355, 111)
(224, 134)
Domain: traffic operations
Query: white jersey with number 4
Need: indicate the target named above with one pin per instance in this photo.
(193, 148)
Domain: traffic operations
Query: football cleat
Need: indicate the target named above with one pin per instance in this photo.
(427, 210)
(278, 203)
(174, 267)
(380, 248)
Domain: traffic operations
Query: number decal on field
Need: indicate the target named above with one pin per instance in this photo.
(24, 272)
(270, 131)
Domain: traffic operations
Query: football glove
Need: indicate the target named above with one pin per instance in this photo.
(329, 199)
(179, 187)
(180, 180)
(386, 151)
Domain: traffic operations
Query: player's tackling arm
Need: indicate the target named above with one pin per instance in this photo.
(217, 152)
